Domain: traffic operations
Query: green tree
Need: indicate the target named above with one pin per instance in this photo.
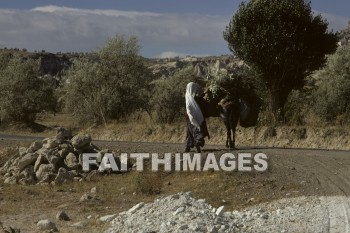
(23, 94)
(332, 97)
(283, 41)
(111, 85)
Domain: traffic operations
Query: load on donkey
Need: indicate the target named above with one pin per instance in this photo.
(233, 97)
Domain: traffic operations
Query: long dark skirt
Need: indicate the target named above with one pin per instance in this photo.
(195, 136)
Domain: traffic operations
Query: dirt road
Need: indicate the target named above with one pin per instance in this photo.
(292, 173)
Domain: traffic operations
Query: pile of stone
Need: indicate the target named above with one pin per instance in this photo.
(53, 160)
(183, 213)
(176, 213)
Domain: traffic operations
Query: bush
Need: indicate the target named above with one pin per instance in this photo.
(168, 99)
(332, 98)
(23, 94)
(111, 86)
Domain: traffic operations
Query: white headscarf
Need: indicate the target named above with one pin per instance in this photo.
(192, 108)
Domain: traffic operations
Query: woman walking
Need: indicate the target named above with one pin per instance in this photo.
(196, 125)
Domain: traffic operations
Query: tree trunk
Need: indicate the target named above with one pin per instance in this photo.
(278, 99)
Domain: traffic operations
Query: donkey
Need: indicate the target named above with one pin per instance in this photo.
(224, 105)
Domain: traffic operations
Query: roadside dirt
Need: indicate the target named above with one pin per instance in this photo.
(292, 173)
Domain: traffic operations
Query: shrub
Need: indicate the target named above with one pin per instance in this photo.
(111, 86)
(332, 97)
(23, 94)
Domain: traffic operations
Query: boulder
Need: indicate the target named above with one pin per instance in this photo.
(81, 141)
(28, 159)
(44, 169)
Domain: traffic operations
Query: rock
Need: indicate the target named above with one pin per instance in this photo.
(34, 147)
(22, 151)
(27, 176)
(61, 215)
(11, 180)
(92, 176)
(212, 229)
(46, 225)
(179, 210)
(135, 208)
(71, 161)
(93, 190)
(81, 141)
(47, 178)
(65, 151)
(86, 197)
(220, 211)
(53, 157)
(107, 218)
(63, 134)
(63, 176)
(78, 225)
(50, 144)
(40, 160)
(43, 169)
(28, 159)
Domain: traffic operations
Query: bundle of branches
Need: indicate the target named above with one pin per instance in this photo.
(238, 85)
(239, 81)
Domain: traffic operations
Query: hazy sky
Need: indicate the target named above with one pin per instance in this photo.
(164, 27)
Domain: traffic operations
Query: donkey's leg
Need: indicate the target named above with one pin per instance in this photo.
(234, 121)
(228, 135)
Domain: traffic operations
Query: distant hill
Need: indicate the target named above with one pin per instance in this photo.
(55, 64)
(201, 66)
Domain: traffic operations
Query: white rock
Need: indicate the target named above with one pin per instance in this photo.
(93, 190)
(179, 210)
(108, 218)
(135, 208)
(46, 225)
(220, 211)
(78, 225)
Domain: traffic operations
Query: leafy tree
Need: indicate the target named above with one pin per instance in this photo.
(110, 85)
(332, 98)
(283, 41)
(23, 94)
